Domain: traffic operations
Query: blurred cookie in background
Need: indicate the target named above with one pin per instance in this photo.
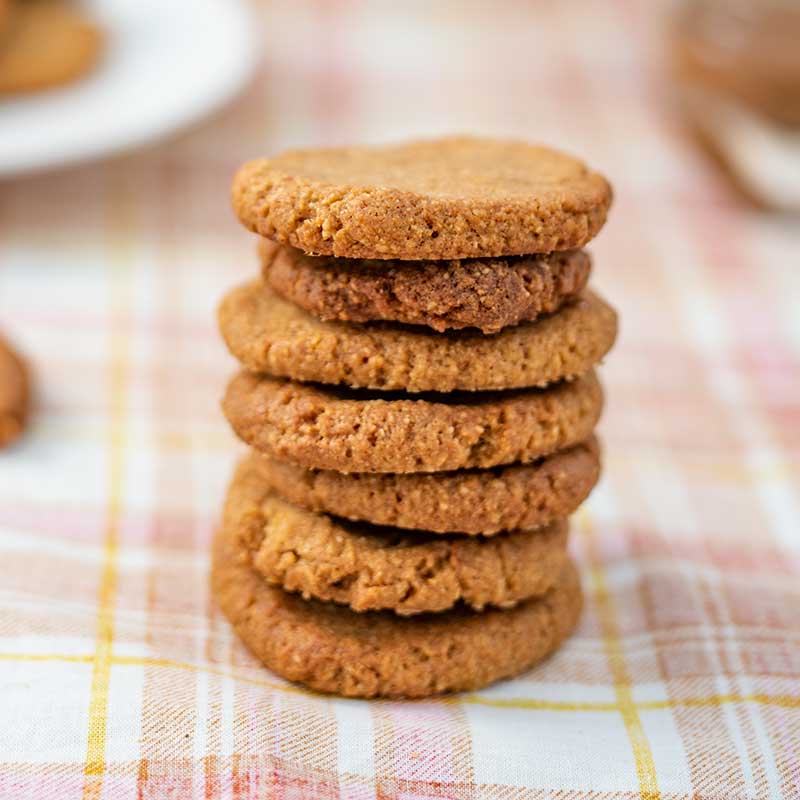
(14, 394)
(44, 43)
(5, 15)
(737, 70)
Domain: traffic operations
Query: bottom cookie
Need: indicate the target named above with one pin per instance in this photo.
(377, 654)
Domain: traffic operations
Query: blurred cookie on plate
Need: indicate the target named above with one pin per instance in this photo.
(44, 43)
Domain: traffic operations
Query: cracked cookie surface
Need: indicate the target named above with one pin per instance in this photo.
(476, 501)
(458, 197)
(371, 568)
(378, 654)
(325, 427)
(486, 293)
(269, 334)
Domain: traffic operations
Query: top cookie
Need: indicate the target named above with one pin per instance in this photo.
(447, 198)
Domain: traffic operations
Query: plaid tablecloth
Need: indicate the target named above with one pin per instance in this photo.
(120, 679)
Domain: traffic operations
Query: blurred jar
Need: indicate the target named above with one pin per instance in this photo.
(737, 64)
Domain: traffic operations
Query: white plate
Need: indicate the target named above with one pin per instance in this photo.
(167, 63)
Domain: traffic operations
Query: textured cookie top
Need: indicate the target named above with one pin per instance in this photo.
(446, 198)
(370, 568)
(485, 293)
(268, 334)
(470, 501)
(327, 428)
(333, 649)
(14, 394)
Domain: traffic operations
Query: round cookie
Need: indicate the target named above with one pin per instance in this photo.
(332, 649)
(46, 44)
(14, 395)
(6, 15)
(520, 496)
(489, 293)
(337, 429)
(458, 197)
(268, 334)
(369, 568)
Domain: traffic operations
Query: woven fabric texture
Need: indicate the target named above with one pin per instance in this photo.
(118, 676)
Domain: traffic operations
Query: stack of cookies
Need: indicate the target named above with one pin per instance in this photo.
(418, 391)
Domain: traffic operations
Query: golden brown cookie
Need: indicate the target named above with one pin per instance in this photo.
(457, 197)
(14, 395)
(350, 431)
(333, 649)
(268, 334)
(370, 568)
(487, 293)
(476, 501)
(46, 43)
(6, 15)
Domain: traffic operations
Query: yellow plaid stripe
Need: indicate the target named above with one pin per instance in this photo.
(643, 755)
(103, 656)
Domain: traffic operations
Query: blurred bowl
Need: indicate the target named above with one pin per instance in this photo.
(165, 65)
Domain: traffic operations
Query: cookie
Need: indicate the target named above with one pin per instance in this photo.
(6, 15)
(45, 44)
(488, 293)
(348, 431)
(371, 568)
(457, 197)
(332, 649)
(268, 334)
(466, 501)
(14, 395)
